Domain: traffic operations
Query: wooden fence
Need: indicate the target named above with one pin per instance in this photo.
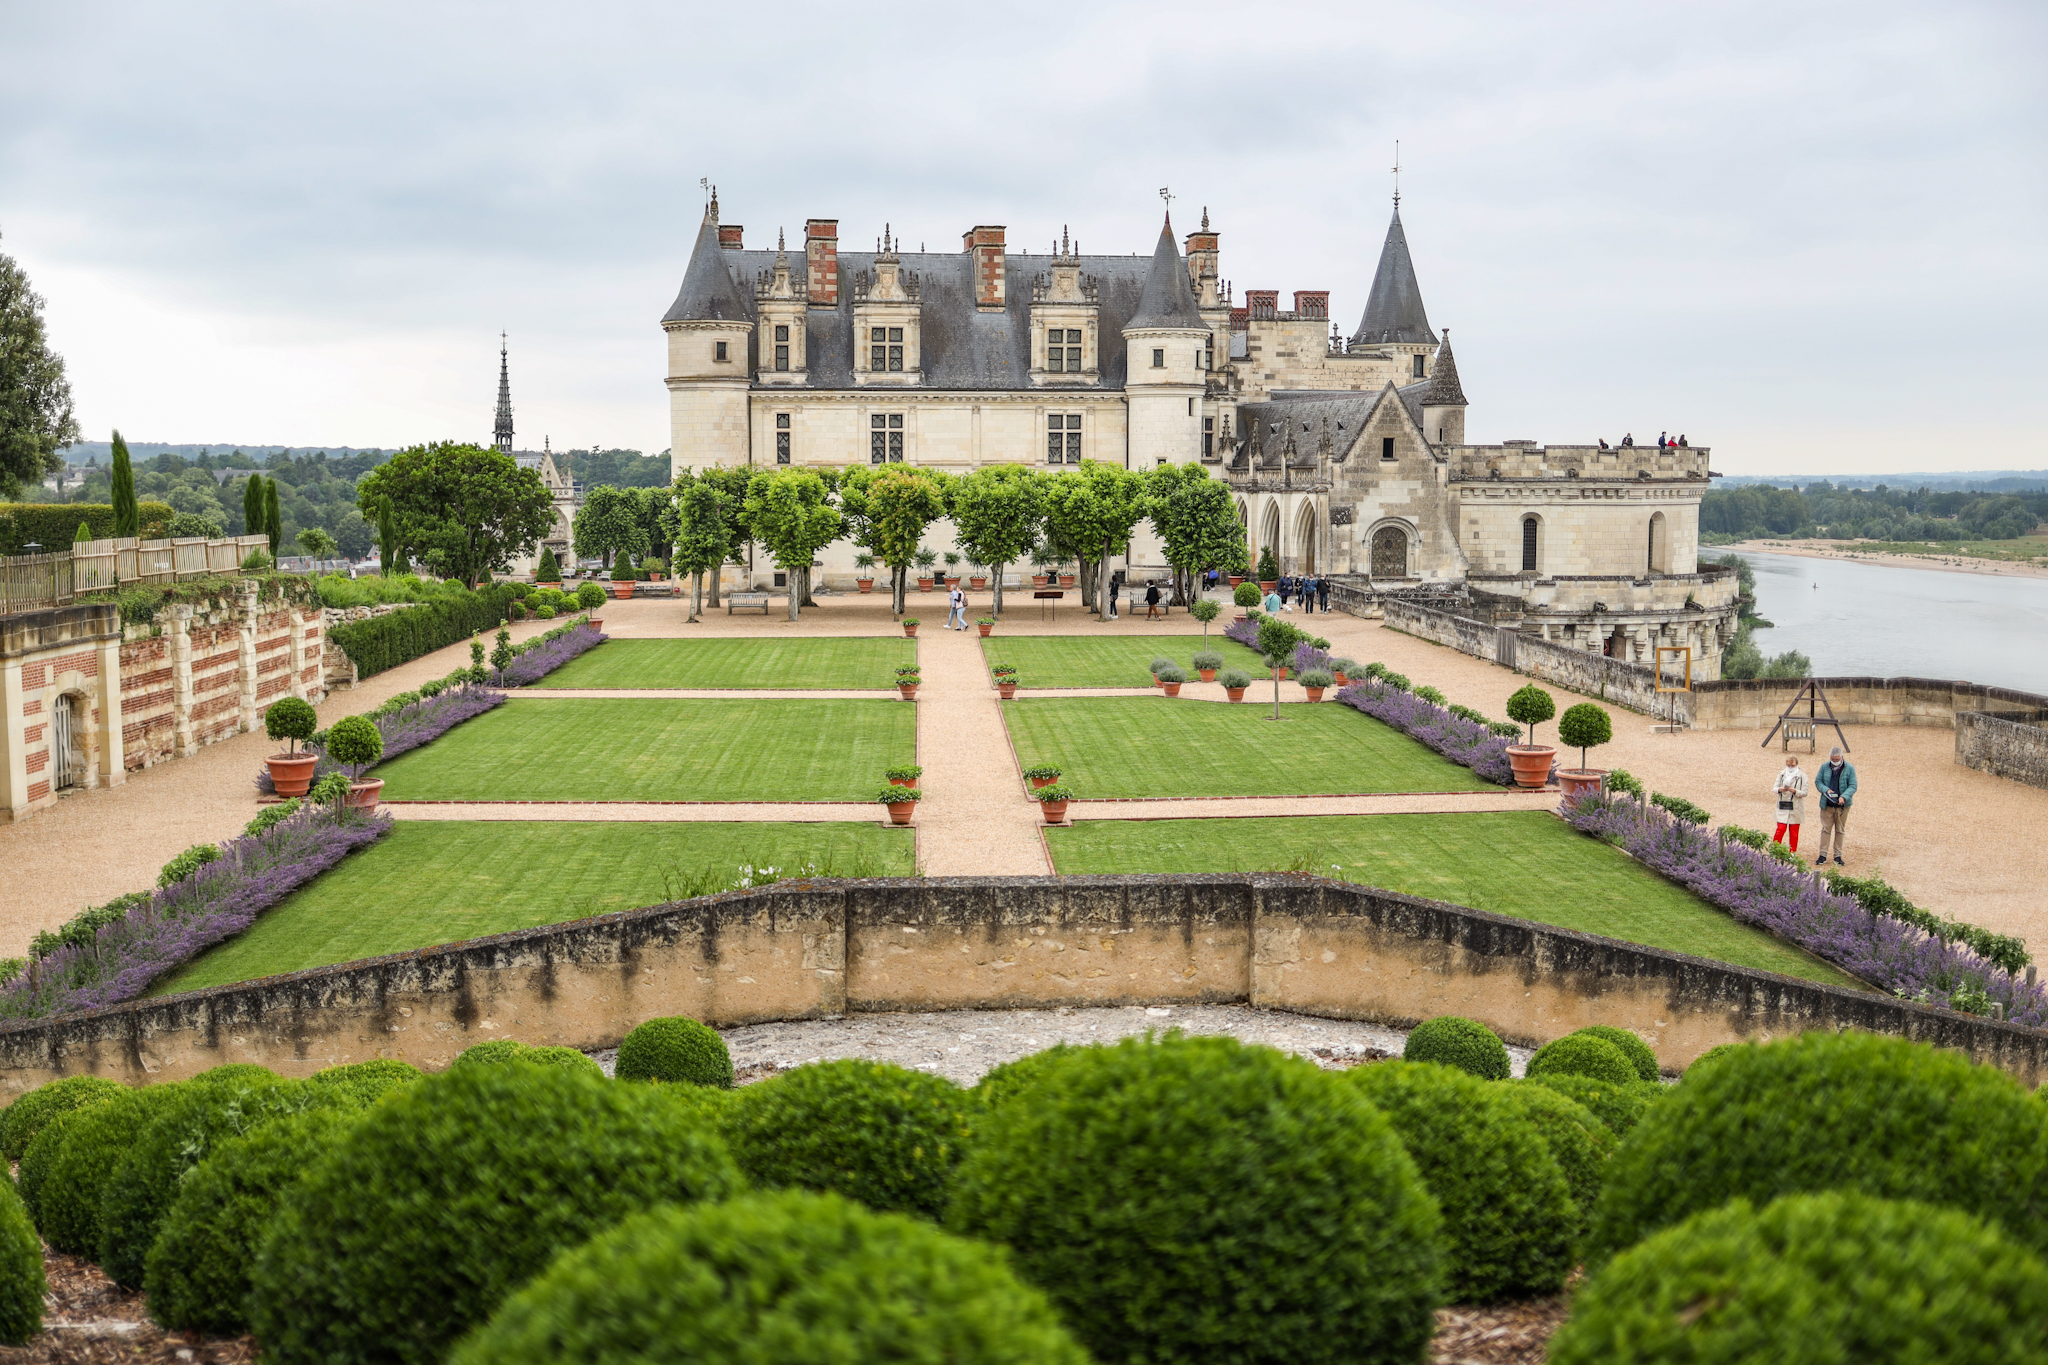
(29, 582)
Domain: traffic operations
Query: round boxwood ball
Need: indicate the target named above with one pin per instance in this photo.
(562, 1056)
(185, 1130)
(675, 1049)
(1639, 1053)
(453, 1191)
(1577, 1054)
(1194, 1198)
(1463, 1043)
(1847, 1111)
(95, 1145)
(1579, 1143)
(1508, 1213)
(367, 1081)
(1007, 1080)
(797, 1278)
(884, 1135)
(197, 1271)
(21, 1271)
(1620, 1107)
(1814, 1279)
(1712, 1054)
(40, 1158)
(491, 1051)
(27, 1115)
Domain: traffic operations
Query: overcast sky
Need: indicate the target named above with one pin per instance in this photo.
(1809, 235)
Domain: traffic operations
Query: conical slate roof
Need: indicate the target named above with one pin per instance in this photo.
(1444, 389)
(1393, 311)
(708, 291)
(1168, 301)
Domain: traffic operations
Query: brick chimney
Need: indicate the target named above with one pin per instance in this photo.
(986, 245)
(821, 260)
(1312, 303)
(729, 235)
(1262, 303)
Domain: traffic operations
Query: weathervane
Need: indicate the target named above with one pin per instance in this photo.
(1167, 195)
(1397, 173)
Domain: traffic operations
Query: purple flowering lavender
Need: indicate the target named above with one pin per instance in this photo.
(532, 665)
(1245, 632)
(1784, 899)
(1307, 656)
(219, 900)
(1464, 742)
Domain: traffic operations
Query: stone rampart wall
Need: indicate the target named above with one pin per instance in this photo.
(204, 672)
(2013, 745)
(826, 948)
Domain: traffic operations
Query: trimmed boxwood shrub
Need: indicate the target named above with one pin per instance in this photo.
(27, 1115)
(1814, 1279)
(21, 1272)
(589, 596)
(1465, 1044)
(143, 1186)
(1848, 1111)
(1508, 1213)
(884, 1135)
(1639, 1053)
(789, 1277)
(1580, 1054)
(492, 1051)
(385, 642)
(1620, 1107)
(1718, 1050)
(367, 1081)
(570, 1057)
(453, 1191)
(1579, 1143)
(1005, 1081)
(68, 1205)
(41, 1158)
(197, 1270)
(1194, 1198)
(675, 1049)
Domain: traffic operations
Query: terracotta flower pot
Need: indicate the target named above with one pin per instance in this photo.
(952, 580)
(1066, 580)
(1037, 782)
(1269, 585)
(1342, 681)
(364, 795)
(924, 584)
(1234, 693)
(1314, 693)
(597, 623)
(1038, 580)
(1208, 674)
(1055, 812)
(1236, 579)
(556, 585)
(903, 782)
(899, 812)
(1006, 690)
(1281, 674)
(624, 591)
(909, 691)
(1572, 782)
(1531, 763)
(864, 584)
(1172, 689)
(910, 631)
(977, 584)
(983, 629)
(292, 774)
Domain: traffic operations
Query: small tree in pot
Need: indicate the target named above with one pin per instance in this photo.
(1583, 727)
(1277, 639)
(864, 572)
(1531, 706)
(1205, 610)
(291, 719)
(1269, 570)
(1247, 596)
(356, 743)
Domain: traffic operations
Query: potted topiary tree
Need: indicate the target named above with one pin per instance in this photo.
(984, 624)
(1235, 681)
(1206, 663)
(1313, 681)
(356, 743)
(976, 578)
(910, 626)
(1205, 610)
(1247, 596)
(1583, 727)
(623, 576)
(1170, 679)
(952, 569)
(291, 719)
(903, 774)
(590, 597)
(1531, 706)
(901, 801)
(1277, 641)
(1053, 801)
(1269, 571)
(864, 572)
(546, 572)
(1041, 775)
(925, 559)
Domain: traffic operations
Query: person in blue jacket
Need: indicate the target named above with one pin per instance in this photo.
(1835, 785)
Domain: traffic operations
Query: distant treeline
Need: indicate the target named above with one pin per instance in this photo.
(1880, 513)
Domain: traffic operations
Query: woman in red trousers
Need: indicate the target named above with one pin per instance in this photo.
(1789, 791)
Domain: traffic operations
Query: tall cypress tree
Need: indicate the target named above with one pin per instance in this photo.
(273, 522)
(126, 519)
(252, 506)
(387, 540)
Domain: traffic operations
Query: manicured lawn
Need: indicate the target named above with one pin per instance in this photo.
(1161, 746)
(1527, 864)
(582, 749)
(830, 662)
(1109, 661)
(430, 882)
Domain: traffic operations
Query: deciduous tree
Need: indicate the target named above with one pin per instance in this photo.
(468, 510)
(698, 533)
(790, 512)
(732, 485)
(1196, 519)
(996, 513)
(892, 506)
(608, 523)
(36, 420)
(1095, 508)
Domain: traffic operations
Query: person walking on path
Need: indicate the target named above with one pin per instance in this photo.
(1308, 593)
(1322, 594)
(1273, 603)
(959, 612)
(1790, 793)
(1116, 585)
(1836, 783)
(1151, 601)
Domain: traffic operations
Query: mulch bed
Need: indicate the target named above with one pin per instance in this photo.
(1505, 1334)
(90, 1320)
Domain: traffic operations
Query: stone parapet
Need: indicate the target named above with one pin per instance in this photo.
(1756, 703)
(805, 950)
(2013, 745)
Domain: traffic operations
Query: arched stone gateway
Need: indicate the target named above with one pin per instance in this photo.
(1305, 536)
(1269, 531)
(69, 741)
(1390, 552)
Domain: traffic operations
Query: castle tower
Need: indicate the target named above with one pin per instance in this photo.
(1395, 321)
(501, 433)
(1165, 341)
(1443, 402)
(710, 361)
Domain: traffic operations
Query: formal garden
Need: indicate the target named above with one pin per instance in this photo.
(817, 663)
(1051, 661)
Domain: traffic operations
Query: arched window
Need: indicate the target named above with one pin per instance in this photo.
(1529, 525)
(1390, 552)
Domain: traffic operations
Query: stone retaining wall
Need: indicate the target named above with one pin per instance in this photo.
(2013, 745)
(826, 948)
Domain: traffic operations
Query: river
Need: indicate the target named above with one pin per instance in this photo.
(1872, 620)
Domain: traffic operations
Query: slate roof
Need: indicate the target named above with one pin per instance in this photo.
(1393, 311)
(1168, 300)
(1302, 411)
(1444, 388)
(708, 291)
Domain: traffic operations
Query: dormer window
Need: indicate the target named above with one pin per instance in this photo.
(885, 348)
(1063, 350)
(781, 346)
(885, 436)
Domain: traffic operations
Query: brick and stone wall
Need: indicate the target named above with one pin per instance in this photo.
(819, 949)
(59, 724)
(2013, 745)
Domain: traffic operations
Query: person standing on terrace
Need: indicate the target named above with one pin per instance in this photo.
(1790, 793)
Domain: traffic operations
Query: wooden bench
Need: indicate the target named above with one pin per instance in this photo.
(746, 599)
(1798, 729)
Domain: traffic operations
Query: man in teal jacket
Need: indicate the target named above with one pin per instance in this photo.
(1835, 785)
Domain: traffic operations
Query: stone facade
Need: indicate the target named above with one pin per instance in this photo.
(2014, 745)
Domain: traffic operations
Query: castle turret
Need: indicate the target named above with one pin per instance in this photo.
(710, 331)
(1166, 373)
(1395, 321)
(1443, 402)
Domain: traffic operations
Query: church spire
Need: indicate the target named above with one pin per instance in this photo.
(501, 435)
(1393, 311)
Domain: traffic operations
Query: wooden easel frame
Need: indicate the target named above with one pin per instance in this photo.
(1816, 702)
(1681, 651)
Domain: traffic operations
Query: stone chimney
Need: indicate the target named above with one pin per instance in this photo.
(729, 235)
(986, 245)
(1201, 256)
(821, 260)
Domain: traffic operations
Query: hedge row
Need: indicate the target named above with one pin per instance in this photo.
(385, 642)
(54, 525)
